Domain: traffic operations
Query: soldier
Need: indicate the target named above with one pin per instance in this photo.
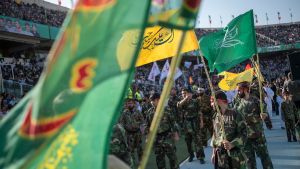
(228, 145)
(191, 125)
(132, 121)
(119, 146)
(146, 105)
(289, 110)
(167, 133)
(249, 106)
(206, 115)
(172, 103)
(254, 91)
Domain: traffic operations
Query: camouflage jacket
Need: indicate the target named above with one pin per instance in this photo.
(118, 143)
(167, 123)
(131, 120)
(172, 103)
(235, 129)
(250, 109)
(289, 110)
(204, 105)
(145, 107)
(190, 108)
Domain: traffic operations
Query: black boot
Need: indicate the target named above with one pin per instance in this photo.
(294, 139)
(191, 158)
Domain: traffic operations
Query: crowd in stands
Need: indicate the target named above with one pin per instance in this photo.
(21, 70)
(32, 12)
(270, 35)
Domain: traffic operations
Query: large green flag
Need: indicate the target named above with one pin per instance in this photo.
(65, 121)
(232, 45)
(210, 46)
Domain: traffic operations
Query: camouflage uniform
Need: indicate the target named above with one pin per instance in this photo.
(255, 92)
(164, 142)
(235, 131)
(256, 142)
(132, 121)
(191, 126)
(173, 100)
(207, 116)
(289, 111)
(146, 105)
(119, 146)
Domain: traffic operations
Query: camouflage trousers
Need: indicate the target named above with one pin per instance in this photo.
(134, 141)
(290, 129)
(258, 146)
(232, 159)
(206, 132)
(165, 146)
(193, 136)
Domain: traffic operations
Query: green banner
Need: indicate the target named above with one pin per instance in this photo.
(278, 48)
(19, 26)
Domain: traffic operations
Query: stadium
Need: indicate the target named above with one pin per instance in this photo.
(29, 28)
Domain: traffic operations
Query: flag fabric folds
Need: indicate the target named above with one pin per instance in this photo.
(230, 80)
(232, 45)
(164, 71)
(160, 43)
(154, 72)
(65, 121)
(178, 14)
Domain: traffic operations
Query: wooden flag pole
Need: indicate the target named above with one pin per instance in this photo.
(213, 94)
(162, 102)
(256, 67)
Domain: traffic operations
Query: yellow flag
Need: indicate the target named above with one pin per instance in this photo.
(232, 79)
(160, 43)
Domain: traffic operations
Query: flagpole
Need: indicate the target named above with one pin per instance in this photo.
(213, 94)
(257, 68)
(161, 103)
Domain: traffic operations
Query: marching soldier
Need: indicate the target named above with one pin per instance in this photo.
(191, 125)
(289, 110)
(228, 145)
(172, 103)
(206, 116)
(249, 106)
(167, 133)
(132, 121)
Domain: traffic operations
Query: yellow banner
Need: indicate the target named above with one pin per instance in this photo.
(160, 43)
(232, 79)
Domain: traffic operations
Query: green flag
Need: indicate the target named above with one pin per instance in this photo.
(210, 46)
(65, 121)
(232, 45)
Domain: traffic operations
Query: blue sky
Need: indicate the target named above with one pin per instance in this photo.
(227, 8)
